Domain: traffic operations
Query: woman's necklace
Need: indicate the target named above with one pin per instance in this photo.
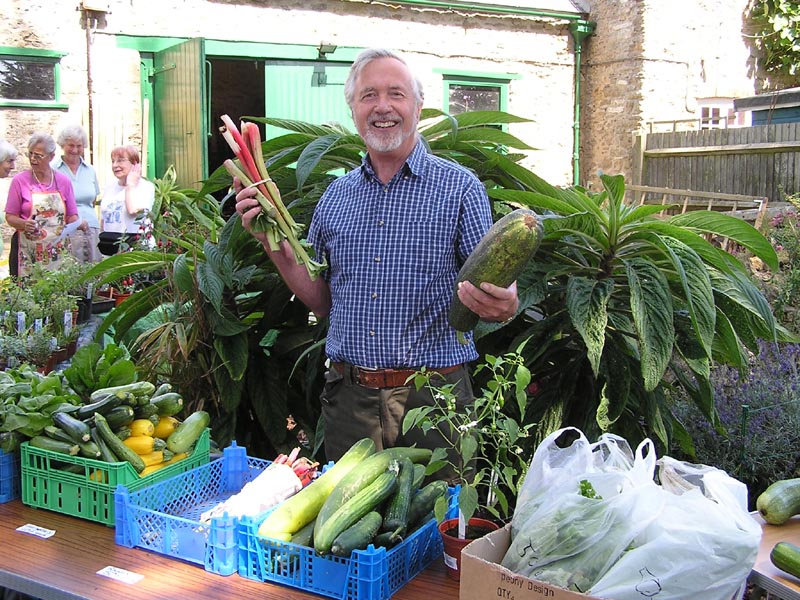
(52, 178)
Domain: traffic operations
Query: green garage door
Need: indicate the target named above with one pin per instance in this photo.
(306, 91)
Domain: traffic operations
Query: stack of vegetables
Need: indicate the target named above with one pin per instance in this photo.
(777, 505)
(134, 422)
(367, 497)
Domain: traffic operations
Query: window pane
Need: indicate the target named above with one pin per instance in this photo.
(465, 98)
(32, 80)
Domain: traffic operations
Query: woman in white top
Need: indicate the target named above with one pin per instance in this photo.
(128, 200)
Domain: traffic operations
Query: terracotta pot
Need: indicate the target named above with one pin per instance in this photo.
(120, 298)
(453, 545)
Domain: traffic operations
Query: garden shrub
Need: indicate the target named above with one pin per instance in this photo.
(763, 447)
(783, 288)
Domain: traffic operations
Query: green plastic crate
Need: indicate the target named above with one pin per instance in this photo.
(84, 487)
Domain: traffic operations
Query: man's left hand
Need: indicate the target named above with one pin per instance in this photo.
(489, 302)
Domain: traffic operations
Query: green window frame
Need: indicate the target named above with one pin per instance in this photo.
(25, 68)
(470, 82)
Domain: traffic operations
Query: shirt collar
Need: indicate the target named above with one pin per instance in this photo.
(415, 163)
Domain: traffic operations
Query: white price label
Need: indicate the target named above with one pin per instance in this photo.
(36, 530)
(120, 574)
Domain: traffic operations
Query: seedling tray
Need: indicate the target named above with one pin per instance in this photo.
(84, 487)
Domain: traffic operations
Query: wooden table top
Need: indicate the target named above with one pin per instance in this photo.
(64, 567)
(764, 573)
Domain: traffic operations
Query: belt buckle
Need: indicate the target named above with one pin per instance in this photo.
(355, 374)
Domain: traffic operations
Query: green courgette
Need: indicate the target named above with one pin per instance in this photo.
(786, 556)
(104, 405)
(188, 432)
(168, 404)
(780, 501)
(105, 452)
(120, 450)
(138, 389)
(358, 536)
(499, 258)
(57, 434)
(120, 416)
(76, 429)
(47, 443)
(359, 505)
(90, 450)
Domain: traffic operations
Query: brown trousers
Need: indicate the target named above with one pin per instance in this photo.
(352, 412)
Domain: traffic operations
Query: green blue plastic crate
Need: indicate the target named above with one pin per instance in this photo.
(165, 518)
(9, 476)
(84, 487)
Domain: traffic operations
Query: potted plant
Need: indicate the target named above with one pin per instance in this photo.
(481, 448)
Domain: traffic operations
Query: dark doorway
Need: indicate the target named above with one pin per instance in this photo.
(237, 89)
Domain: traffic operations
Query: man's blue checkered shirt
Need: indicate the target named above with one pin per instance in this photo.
(394, 252)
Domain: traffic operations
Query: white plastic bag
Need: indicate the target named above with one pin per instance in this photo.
(703, 539)
(636, 539)
(579, 509)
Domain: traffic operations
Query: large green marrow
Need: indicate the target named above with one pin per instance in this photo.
(499, 258)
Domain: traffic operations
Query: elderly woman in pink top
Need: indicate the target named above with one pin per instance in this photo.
(40, 205)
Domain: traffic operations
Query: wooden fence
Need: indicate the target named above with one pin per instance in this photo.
(760, 161)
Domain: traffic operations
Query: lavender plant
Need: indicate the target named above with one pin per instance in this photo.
(759, 416)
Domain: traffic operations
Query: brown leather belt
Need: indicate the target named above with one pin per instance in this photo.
(376, 379)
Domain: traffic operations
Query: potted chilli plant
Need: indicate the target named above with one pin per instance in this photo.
(482, 448)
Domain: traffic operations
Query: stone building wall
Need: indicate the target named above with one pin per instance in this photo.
(651, 60)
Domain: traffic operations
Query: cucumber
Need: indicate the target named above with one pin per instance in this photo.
(78, 430)
(499, 258)
(299, 510)
(780, 501)
(169, 404)
(139, 388)
(786, 556)
(424, 500)
(364, 474)
(354, 509)
(419, 477)
(305, 536)
(103, 406)
(358, 536)
(119, 449)
(395, 517)
(48, 443)
(187, 433)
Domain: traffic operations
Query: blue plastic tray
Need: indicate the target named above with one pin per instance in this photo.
(9, 477)
(371, 574)
(165, 518)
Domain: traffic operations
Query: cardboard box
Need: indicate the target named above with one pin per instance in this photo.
(483, 578)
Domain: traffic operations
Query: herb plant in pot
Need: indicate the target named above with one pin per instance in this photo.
(482, 449)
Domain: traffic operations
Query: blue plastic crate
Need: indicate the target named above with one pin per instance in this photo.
(371, 574)
(165, 518)
(9, 476)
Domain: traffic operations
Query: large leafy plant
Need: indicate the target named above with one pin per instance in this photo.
(617, 306)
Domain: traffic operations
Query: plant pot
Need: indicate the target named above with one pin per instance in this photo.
(476, 528)
(71, 348)
(84, 310)
(120, 298)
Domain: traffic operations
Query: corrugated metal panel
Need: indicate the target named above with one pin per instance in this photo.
(312, 92)
(179, 96)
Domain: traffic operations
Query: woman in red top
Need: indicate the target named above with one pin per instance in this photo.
(40, 204)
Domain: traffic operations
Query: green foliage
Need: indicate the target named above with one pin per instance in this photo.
(484, 437)
(617, 308)
(777, 35)
(783, 286)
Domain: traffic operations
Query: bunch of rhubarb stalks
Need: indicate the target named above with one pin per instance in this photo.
(304, 468)
(274, 218)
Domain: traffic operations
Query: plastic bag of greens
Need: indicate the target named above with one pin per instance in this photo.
(703, 539)
(581, 505)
